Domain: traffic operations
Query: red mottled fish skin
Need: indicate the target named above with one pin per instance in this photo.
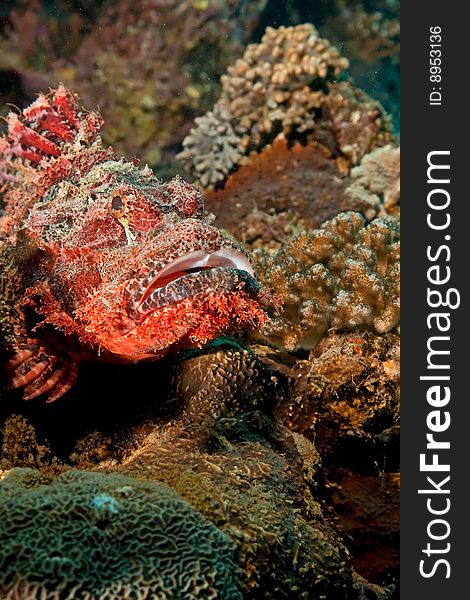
(101, 259)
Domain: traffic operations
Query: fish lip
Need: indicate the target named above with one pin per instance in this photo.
(190, 265)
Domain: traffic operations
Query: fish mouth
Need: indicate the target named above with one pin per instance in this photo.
(197, 271)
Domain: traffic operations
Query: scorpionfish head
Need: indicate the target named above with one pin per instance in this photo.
(135, 267)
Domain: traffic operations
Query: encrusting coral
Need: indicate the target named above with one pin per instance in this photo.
(283, 85)
(343, 275)
(95, 535)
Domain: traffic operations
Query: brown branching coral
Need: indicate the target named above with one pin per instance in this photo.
(344, 275)
(213, 146)
(265, 91)
(283, 85)
(376, 182)
(96, 535)
(271, 82)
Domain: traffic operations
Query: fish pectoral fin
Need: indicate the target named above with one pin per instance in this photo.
(40, 372)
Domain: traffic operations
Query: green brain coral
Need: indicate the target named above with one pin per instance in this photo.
(106, 536)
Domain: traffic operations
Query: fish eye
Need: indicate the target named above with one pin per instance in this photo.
(117, 205)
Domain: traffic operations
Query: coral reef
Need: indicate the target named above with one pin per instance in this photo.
(283, 85)
(344, 275)
(367, 31)
(222, 453)
(224, 470)
(258, 483)
(270, 82)
(139, 61)
(146, 541)
(213, 442)
(376, 182)
(345, 397)
(19, 447)
(268, 86)
(253, 472)
(283, 190)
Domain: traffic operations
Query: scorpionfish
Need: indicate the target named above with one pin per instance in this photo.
(99, 258)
